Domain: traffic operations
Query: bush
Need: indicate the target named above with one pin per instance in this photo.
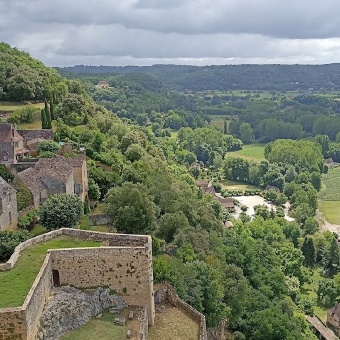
(61, 211)
(28, 221)
(9, 240)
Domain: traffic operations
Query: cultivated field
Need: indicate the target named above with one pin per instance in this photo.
(12, 106)
(251, 152)
(329, 196)
(16, 282)
(228, 184)
(218, 120)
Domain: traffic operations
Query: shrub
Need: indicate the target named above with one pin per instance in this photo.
(61, 211)
(9, 240)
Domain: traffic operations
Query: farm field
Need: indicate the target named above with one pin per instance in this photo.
(218, 120)
(331, 211)
(16, 282)
(330, 190)
(251, 152)
(329, 196)
(228, 184)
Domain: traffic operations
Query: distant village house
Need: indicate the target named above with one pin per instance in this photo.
(56, 176)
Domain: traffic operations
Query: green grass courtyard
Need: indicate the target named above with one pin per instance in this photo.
(16, 282)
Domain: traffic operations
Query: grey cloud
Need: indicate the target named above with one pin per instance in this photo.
(173, 31)
(276, 18)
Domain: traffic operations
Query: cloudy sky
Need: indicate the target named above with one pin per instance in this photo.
(196, 32)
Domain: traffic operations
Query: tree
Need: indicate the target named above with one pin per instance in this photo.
(246, 133)
(47, 116)
(132, 208)
(94, 191)
(43, 119)
(51, 108)
(308, 250)
(61, 211)
(170, 223)
(48, 145)
(134, 152)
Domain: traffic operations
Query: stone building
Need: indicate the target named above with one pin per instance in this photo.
(56, 176)
(11, 144)
(8, 206)
(333, 318)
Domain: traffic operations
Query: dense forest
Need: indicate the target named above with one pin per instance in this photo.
(148, 142)
(229, 77)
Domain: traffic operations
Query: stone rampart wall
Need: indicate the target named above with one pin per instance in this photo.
(100, 219)
(37, 297)
(125, 270)
(167, 293)
(110, 239)
(143, 322)
(125, 266)
(13, 324)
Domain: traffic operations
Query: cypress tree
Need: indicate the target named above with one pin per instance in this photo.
(51, 107)
(43, 119)
(47, 116)
(225, 127)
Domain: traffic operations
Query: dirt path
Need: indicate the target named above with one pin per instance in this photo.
(325, 225)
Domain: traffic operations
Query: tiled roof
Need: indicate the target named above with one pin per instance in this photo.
(6, 133)
(32, 180)
(46, 134)
(35, 177)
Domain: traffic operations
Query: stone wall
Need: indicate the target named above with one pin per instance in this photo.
(13, 324)
(124, 266)
(100, 219)
(167, 293)
(110, 239)
(125, 270)
(37, 297)
(143, 323)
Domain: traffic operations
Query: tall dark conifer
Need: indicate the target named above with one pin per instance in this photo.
(43, 119)
(48, 116)
(51, 108)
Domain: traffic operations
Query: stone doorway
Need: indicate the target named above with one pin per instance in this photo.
(56, 278)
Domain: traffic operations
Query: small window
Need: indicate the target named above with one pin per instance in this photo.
(10, 217)
(5, 158)
(9, 197)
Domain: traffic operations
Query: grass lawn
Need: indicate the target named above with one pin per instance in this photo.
(16, 283)
(234, 185)
(38, 230)
(12, 106)
(329, 196)
(310, 289)
(331, 211)
(251, 152)
(330, 190)
(103, 329)
(172, 324)
(31, 126)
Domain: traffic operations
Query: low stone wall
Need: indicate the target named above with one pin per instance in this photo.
(37, 297)
(100, 219)
(126, 268)
(143, 326)
(111, 240)
(167, 293)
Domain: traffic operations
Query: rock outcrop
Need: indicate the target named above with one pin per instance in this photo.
(69, 308)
